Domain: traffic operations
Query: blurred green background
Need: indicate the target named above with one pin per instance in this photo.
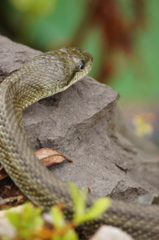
(122, 35)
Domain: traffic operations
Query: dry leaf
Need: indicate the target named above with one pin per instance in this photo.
(12, 201)
(3, 173)
(50, 156)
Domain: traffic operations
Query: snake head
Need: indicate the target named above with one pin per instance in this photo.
(69, 65)
(82, 64)
(50, 73)
(78, 62)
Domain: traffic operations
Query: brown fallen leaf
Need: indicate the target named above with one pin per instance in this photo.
(89, 190)
(1, 167)
(12, 201)
(3, 173)
(10, 195)
(50, 156)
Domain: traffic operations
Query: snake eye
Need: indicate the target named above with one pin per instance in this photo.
(81, 65)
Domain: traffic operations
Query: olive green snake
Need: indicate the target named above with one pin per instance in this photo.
(41, 77)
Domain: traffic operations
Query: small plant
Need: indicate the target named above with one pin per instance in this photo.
(30, 225)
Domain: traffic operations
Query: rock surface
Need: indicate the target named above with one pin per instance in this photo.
(82, 123)
(110, 233)
(13, 56)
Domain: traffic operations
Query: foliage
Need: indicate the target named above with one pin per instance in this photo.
(29, 223)
(36, 7)
(26, 222)
(79, 202)
(122, 36)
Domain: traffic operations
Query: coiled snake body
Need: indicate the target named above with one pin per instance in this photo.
(42, 77)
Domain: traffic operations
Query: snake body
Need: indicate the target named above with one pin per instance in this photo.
(42, 77)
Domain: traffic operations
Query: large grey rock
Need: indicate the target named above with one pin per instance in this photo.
(81, 123)
(13, 56)
(76, 123)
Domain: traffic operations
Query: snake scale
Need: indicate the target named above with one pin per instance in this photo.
(41, 77)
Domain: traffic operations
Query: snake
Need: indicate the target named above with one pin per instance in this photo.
(43, 76)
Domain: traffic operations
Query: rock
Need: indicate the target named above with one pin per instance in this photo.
(81, 123)
(13, 56)
(110, 233)
(76, 123)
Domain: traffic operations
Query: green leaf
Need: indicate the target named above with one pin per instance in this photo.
(27, 221)
(57, 217)
(70, 235)
(82, 215)
(56, 238)
(60, 223)
(36, 7)
(79, 199)
(99, 207)
(13, 218)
